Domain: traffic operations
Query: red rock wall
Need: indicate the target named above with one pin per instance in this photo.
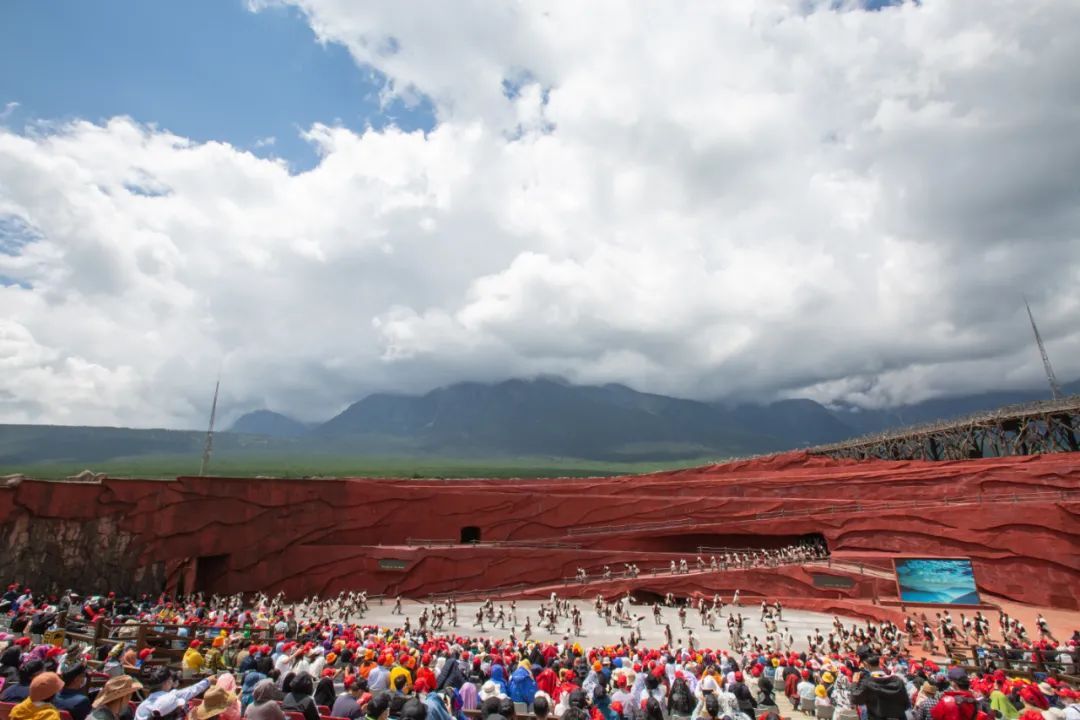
(324, 535)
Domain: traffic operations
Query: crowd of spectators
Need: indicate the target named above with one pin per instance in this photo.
(319, 659)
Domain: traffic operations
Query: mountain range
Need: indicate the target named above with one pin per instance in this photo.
(543, 417)
(553, 417)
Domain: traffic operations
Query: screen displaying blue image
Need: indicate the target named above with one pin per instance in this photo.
(942, 582)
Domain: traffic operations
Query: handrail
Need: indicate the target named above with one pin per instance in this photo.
(662, 525)
(445, 542)
(714, 550)
(620, 575)
(1008, 412)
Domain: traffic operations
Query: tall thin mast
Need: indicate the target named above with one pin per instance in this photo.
(210, 433)
(1055, 389)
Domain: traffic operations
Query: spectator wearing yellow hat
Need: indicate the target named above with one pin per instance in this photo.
(821, 697)
(193, 660)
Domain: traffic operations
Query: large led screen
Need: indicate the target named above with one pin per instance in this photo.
(941, 582)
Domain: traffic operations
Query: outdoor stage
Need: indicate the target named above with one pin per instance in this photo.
(1014, 517)
(596, 633)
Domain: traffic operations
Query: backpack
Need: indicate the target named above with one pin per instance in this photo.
(957, 707)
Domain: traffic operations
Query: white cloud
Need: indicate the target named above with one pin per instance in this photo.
(756, 199)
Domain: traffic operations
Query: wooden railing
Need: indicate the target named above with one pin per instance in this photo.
(968, 656)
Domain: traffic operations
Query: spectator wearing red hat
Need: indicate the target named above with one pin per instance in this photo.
(425, 671)
(958, 702)
(378, 678)
(999, 699)
(621, 694)
(743, 696)
(805, 688)
(547, 681)
(143, 656)
(1033, 699)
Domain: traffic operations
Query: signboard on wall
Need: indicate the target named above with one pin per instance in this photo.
(949, 581)
(840, 582)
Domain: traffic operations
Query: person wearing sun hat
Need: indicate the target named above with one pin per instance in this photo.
(38, 704)
(489, 690)
(217, 701)
(227, 682)
(114, 697)
(1055, 709)
(821, 697)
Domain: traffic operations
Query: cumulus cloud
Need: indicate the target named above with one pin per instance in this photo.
(747, 201)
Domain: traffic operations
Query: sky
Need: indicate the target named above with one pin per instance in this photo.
(320, 199)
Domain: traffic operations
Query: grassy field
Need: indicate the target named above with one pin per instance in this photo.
(165, 466)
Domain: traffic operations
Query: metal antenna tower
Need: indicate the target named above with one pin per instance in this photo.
(1055, 389)
(208, 448)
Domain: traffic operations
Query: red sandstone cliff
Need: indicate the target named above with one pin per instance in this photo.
(307, 536)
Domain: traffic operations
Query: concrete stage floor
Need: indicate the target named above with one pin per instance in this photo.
(596, 632)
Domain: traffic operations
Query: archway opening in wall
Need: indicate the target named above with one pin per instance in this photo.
(647, 597)
(470, 534)
(210, 571)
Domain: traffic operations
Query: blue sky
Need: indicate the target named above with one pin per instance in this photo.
(677, 197)
(204, 69)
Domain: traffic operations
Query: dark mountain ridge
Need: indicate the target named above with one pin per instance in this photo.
(268, 423)
(543, 417)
